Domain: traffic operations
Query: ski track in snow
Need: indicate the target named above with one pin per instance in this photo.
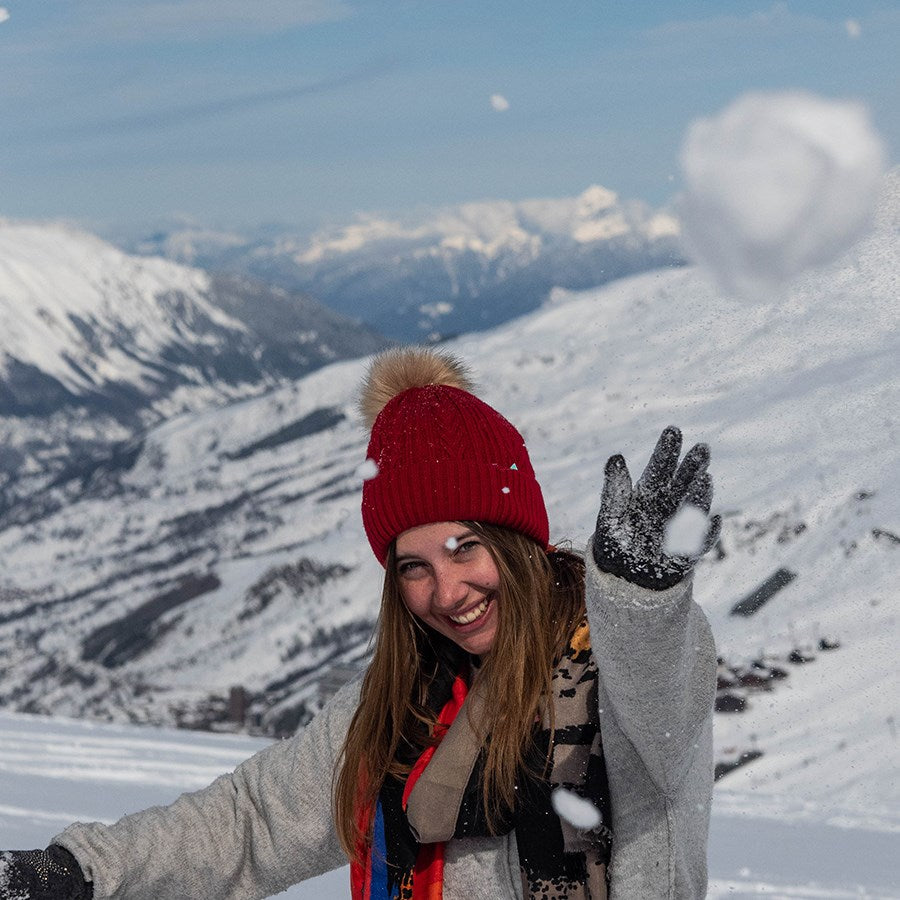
(737, 889)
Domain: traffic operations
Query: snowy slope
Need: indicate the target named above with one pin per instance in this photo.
(57, 283)
(96, 344)
(96, 322)
(446, 271)
(53, 772)
(215, 557)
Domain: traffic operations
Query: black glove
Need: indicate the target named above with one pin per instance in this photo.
(51, 874)
(631, 525)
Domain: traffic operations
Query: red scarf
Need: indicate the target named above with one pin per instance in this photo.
(367, 881)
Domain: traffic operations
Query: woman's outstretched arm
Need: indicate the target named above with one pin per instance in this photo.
(251, 833)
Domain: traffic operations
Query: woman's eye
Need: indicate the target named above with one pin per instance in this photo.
(467, 546)
(408, 568)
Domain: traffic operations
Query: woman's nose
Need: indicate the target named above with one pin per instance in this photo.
(449, 591)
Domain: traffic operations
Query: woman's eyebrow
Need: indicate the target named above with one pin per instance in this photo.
(451, 543)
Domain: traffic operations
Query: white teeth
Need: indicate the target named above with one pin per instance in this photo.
(472, 614)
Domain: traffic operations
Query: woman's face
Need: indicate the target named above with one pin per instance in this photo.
(449, 580)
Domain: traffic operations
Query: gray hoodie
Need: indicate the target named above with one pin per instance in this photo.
(268, 824)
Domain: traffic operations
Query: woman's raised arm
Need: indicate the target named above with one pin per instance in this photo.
(652, 643)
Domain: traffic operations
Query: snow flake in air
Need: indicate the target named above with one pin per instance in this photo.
(367, 470)
(504, 490)
(686, 532)
(575, 810)
(776, 184)
(451, 543)
(4, 13)
(499, 102)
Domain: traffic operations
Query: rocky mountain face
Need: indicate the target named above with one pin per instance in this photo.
(95, 345)
(439, 273)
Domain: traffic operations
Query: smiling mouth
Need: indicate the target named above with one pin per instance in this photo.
(474, 614)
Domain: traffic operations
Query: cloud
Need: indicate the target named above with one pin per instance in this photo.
(192, 112)
(778, 19)
(4, 13)
(197, 20)
(853, 28)
(499, 102)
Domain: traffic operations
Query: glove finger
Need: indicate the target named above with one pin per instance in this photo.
(694, 462)
(663, 461)
(699, 492)
(712, 534)
(616, 488)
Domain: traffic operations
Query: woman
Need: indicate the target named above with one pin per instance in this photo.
(504, 669)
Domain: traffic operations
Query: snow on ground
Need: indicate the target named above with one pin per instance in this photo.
(776, 184)
(56, 771)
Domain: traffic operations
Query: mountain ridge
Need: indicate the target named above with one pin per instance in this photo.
(431, 273)
(97, 344)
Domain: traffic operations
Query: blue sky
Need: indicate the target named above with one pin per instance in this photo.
(121, 113)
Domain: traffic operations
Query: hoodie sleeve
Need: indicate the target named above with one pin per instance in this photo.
(657, 663)
(251, 833)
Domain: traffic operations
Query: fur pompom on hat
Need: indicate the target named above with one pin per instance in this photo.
(442, 455)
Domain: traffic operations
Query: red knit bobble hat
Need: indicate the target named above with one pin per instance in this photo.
(442, 454)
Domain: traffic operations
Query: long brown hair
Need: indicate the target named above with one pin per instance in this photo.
(540, 601)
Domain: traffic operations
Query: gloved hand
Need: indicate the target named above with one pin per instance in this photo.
(51, 874)
(631, 525)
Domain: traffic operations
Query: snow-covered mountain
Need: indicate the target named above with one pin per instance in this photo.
(444, 272)
(227, 548)
(95, 343)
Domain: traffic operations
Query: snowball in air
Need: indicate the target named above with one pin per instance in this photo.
(776, 184)
(367, 470)
(686, 532)
(575, 810)
(499, 102)
(4, 13)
